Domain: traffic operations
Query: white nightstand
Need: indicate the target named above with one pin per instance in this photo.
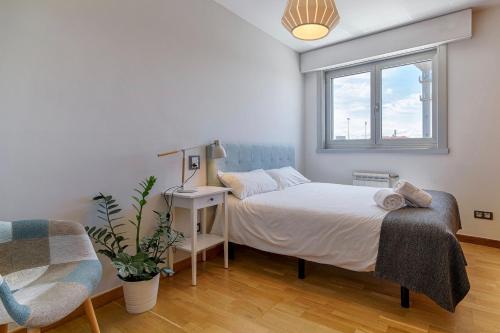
(204, 197)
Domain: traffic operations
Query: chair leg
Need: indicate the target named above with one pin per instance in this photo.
(4, 328)
(33, 330)
(89, 310)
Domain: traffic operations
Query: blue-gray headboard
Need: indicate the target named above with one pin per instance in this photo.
(246, 157)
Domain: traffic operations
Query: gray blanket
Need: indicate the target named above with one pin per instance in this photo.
(418, 250)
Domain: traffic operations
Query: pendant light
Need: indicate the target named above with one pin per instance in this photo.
(310, 19)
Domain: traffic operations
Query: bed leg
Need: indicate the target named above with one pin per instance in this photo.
(405, 297)
(302, 269)
(231, 250)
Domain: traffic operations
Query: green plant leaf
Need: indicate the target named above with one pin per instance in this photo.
(123, 273)
(123, 257)
(139, 257)
(96, 232)
(102, 233)
(107, 253)
(133, 270)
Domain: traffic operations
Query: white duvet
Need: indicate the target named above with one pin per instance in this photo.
(326, 223)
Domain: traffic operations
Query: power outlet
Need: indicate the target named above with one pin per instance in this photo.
(488, 215)
(194, 162)
(482, 215)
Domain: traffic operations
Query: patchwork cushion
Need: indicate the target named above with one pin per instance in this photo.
(49, 268)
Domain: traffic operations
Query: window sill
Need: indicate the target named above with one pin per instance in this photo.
(391, 150)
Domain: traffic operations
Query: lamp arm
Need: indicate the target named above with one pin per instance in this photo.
(178, 151)
(168, 153)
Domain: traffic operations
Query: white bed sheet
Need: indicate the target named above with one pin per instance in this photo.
(326, 223)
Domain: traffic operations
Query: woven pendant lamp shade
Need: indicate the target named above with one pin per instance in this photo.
(310, 19)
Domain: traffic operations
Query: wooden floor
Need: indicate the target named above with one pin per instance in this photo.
(260, 293)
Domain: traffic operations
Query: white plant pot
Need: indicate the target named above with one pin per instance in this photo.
(141, 296)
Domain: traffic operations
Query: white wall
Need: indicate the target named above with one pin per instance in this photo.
(470, 171)
(92, 90)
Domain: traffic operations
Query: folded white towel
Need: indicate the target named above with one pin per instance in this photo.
(388, 199)
(413, 195)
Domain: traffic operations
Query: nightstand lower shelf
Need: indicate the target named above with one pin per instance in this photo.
(204, 242)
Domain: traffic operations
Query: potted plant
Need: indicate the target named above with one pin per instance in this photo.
(139, 271)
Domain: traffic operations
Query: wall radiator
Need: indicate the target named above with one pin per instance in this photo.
(374, 179)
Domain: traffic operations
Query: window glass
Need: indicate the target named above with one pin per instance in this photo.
(406, 104)
(352, 107)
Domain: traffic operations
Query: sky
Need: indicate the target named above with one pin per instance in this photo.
(401, 106)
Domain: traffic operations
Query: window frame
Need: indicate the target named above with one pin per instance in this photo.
(437, 144)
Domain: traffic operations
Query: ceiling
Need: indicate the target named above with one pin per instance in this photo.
(357, 17)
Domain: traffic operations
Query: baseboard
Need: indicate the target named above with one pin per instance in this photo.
(479, 241)
(117, 293)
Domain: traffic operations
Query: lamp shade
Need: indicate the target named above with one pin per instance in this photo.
(216, 151)
(310, 19)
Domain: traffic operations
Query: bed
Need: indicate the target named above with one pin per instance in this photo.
(341, 225)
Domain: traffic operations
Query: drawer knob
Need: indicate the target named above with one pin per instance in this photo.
(211, 199)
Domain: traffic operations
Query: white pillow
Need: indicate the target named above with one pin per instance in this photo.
(287, 176)
(246, 184)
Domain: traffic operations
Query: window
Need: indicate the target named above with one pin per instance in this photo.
(395, 104)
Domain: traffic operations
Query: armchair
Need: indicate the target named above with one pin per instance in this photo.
(47, 270)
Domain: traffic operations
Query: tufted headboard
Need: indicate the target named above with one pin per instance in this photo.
(246, 157)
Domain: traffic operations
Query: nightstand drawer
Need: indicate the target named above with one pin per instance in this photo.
(209, 200)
